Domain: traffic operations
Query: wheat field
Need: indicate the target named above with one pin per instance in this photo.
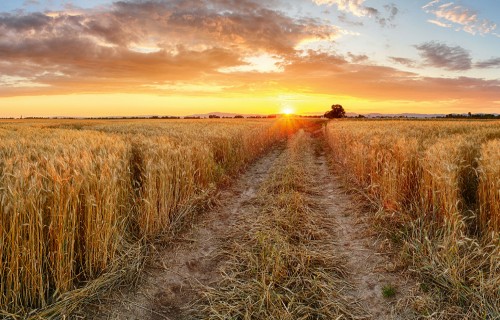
(81, 202)
(75, 196)
(436, 185)
(441, 170)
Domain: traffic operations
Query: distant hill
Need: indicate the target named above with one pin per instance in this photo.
(397, 115)
(423, 115)
(225, 114)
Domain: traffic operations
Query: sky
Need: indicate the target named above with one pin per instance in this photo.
(181, 57)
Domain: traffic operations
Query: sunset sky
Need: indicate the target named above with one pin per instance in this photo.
(179, 57)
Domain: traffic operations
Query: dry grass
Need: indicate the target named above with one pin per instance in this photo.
(79, 200)
(435, 184)
(285, 267)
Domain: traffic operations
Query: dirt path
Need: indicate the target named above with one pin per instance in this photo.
(171, 282)
(370, 269)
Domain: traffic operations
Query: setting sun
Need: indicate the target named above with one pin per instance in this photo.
(287, 111)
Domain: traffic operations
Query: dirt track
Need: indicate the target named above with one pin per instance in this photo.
(370, 269)
(172, 282)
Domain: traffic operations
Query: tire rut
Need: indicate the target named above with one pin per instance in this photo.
(370, 269)
(171, 282)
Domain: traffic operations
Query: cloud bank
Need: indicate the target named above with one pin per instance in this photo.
(231, 46)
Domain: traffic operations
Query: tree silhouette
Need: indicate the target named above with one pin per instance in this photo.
(336, 112)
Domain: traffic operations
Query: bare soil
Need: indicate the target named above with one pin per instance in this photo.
(172, 282)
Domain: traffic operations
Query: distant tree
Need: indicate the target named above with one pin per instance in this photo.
(238, 116)
(470, 114)
(213, 116)
(336, 112)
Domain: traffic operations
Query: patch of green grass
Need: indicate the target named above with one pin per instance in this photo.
(388, 291)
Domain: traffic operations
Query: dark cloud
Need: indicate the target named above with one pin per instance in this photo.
(388, 20)
(370, 11)
(440, 55)
(392, 9)
(490, 63)
(343, 18)
(244, 23)
(23, 23)
(403, 61)
(31, 2)
(357, 58)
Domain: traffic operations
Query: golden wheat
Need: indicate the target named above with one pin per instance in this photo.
(431, 166)
(61, 211)
(439, 180)
(74, 195)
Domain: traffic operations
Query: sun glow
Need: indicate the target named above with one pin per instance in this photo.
(287, 111)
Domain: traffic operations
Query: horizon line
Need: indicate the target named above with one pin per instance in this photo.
(231, 115)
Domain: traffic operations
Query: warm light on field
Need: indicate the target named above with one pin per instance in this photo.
(138, 173)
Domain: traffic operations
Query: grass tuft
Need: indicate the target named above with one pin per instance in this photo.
(388, 291)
